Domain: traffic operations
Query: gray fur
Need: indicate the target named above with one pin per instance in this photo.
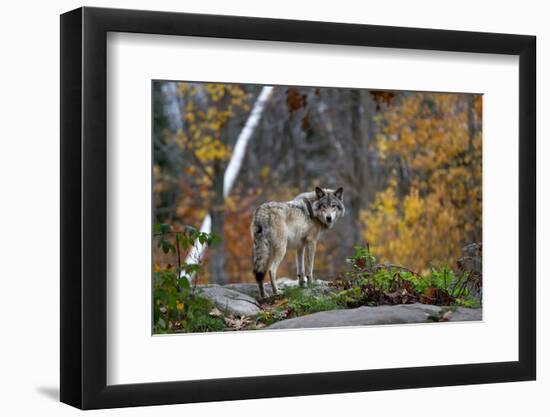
(296, 224)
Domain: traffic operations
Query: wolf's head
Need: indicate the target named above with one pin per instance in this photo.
(328, 206)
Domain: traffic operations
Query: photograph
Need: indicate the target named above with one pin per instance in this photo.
(292, 207)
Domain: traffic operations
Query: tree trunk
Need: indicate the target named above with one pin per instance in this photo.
(216, 259)
(472, 131)
(172, 106)
(361, 130)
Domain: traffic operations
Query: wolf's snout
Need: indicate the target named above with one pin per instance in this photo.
(329, 219)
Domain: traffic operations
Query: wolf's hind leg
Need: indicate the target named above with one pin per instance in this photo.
(309, 257)
(300, 266)
(278, 255)
(260, 280)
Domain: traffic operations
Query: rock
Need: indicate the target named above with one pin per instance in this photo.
(367, 316)
(251, 289)
(230, 301)
(471, 258)
(465, 314)
(287, 282)
(471, 263)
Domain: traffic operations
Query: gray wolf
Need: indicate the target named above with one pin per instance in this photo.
(296, 224)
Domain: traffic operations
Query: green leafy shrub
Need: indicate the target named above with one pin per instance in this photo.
(372, 283)
(176, 305)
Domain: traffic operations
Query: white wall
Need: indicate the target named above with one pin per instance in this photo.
(30, 205)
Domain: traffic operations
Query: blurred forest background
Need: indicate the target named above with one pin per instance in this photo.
(410, 164)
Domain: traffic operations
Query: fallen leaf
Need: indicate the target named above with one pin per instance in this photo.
(215, 312)
(281, 302)
(237, 323)
(446, 316)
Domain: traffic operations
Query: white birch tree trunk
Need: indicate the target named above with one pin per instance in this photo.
(172, 106)
(233, 168)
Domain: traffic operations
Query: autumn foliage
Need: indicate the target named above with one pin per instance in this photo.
(431, 206)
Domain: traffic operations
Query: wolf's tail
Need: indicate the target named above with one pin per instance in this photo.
(260, 248)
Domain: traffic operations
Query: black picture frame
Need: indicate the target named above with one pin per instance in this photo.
(84, 207)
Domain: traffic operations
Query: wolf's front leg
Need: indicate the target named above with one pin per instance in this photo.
(273, 278)
(300, 266)
(309, 257)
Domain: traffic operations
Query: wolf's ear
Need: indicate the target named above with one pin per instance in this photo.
(319, 192)
(338, 193)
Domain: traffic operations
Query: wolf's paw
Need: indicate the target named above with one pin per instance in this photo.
(311, 281)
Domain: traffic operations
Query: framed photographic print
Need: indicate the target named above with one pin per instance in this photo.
(257, 208)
